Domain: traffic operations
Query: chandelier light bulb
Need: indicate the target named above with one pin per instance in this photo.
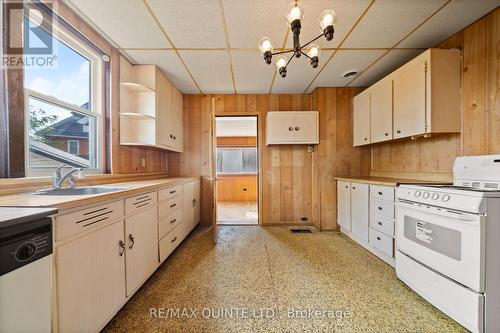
(265, 45)
(296, 12)
(313, 50)
(281, 62)
(327, 18)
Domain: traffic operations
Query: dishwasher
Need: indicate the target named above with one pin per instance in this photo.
(25, 269)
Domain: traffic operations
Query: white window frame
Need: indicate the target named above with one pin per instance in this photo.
(95, 144)
(77, 147)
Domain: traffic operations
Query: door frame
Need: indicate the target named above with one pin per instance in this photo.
(260, 140)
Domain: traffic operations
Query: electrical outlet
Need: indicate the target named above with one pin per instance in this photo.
(143, 162)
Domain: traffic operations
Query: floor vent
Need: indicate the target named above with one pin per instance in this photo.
(301, 231)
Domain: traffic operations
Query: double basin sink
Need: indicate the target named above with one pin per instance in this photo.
(88, 190)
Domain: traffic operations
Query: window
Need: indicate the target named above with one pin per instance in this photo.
(237, 160)
(63, 114)
(74, 147)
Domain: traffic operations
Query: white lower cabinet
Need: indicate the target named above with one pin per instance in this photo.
(90, 279)
(101, 262)
(141, 255)
(365, 213)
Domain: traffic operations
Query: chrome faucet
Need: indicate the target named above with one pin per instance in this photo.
(58, 179)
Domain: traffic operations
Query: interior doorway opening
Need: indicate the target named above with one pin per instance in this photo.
(237, 170)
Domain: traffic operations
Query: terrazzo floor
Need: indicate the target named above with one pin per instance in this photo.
(268, 280)
(237, 213)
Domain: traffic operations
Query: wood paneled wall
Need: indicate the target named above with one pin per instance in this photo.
(236, 141)
(295, 183)
(433, 157)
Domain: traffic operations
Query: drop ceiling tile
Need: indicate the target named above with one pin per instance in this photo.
(249, 21)
(299, 75)
(191, 23)
(170, 64)
(388, 21)
(210, 69)
(126, 22)
(386, 65)
(347, 11)
(454, 17)
(251, 74)
(344, 61)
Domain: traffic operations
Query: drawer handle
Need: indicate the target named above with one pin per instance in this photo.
(378, 238)
(132, 239)
(398, 131)
(172, 192)
(194, 202)
(173, 221)
(173, 205)
(380, 193)
(379, 223)
(173, 240)
(122, 247)
(379, 208)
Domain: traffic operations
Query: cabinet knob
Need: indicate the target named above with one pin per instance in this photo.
(173, 240)
(354, 187)
(171, 136)
(379, 223)
(366, 139)
(194, 202)
(297, 128)
(290, 128)
(386, 134)
(379, 208)
(379, 193)
(346, 186)
(378, 238)
(398, 131)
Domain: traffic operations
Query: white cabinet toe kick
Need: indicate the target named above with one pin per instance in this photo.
(105, 252)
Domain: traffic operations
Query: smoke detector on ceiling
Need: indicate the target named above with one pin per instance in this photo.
(351, 73)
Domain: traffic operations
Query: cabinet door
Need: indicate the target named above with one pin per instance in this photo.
(359, 211)
(305, 127)
(177, 109)
(410, 99)
(361, 119)
(381, 111)
(279, 127)
(344, 205)
(187, 205)
(141, 233)
(90, 279)
(196, 206)
(163, 110)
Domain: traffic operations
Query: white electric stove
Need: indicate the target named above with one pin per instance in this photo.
(448, 242)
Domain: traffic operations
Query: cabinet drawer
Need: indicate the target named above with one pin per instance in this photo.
(166, 208)
(168, 243)
(382, 207)
(169, 192)
(381, 242)
(382, 224)
(169, 223)
(139, 202)
(72, 223)
(382, 192)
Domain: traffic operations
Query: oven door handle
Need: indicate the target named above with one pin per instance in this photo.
(445, 212)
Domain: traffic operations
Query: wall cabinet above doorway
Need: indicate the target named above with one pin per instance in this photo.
(292, 127)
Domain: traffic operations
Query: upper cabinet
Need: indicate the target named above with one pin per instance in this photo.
(420, 98)
(151, 108)
(292, 127)
(361, 119)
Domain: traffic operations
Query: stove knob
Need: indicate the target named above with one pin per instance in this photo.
(446, 197)
(417, 194)
(426, 195)
(435, 196)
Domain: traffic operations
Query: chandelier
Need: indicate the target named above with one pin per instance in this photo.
(294, 16)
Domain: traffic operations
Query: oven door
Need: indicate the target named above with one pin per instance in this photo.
(449, 242)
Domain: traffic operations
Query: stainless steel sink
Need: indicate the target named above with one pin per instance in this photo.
(80, 190)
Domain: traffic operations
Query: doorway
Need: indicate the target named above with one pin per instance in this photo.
(237, 170)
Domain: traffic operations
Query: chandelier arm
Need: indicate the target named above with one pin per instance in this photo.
(305, 54)
(288, 62)
(313, 40)
(281, 52)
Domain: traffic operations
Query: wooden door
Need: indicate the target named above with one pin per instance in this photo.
(381, 111)
(163, 110)
(280, 127)
(177, 110)
(141, 234)
(90, 279)
(410, 99)
(305, 127)
(213, 173)
(361, 119)
(359, 211)
(344, 205)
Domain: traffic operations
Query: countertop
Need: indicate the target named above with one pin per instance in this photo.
(70, 201)
(388, 181)
(10, 216)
